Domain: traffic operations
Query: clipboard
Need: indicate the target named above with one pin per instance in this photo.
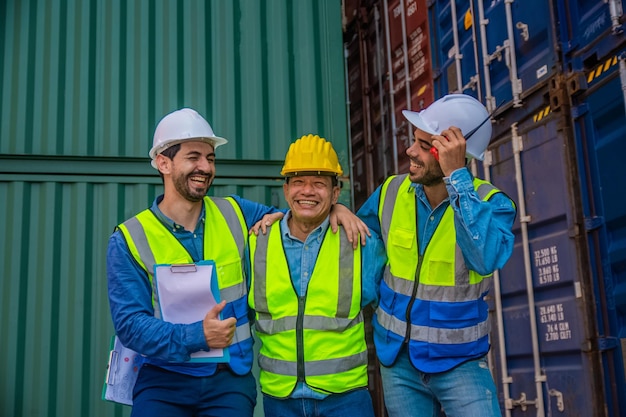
(185, 293)
(121, 375)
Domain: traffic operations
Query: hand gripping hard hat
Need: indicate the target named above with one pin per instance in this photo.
(311, 155)
(180, 126)
(460, 110)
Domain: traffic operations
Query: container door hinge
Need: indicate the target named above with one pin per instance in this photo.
(607, 343)
(593, 223)
(521, 402)
(559, 398)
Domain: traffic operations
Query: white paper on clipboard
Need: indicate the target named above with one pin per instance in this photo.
(186, 292)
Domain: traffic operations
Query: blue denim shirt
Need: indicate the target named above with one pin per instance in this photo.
(130, 297)
(301, 258)
(483, 228)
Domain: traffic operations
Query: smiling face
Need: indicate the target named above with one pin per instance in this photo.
(310, 198)
(192, 170)
(424, 168)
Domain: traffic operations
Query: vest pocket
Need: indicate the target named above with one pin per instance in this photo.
(229, 273)
(401, 238)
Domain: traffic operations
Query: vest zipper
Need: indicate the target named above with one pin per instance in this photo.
(409, 307)
(300, 338)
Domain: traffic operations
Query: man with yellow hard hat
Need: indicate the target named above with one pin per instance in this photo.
(308, 289)
(185, 226)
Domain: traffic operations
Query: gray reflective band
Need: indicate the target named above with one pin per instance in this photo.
(242, 332)
(433, 334)
(234, 292)
(313, 368)
(438, 292)
(138, 236)
(346, 276)
(388, 205)
(260, 279)
(265, 324)
(484, 189)
(228, 211)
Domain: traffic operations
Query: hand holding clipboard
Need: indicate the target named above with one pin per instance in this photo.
(188, 293)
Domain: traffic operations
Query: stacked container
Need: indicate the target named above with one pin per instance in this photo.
(553, 74)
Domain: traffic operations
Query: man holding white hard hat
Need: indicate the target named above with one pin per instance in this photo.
(445, 233)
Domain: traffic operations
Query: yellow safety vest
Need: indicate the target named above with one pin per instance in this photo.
(318, 338)
(151, 243)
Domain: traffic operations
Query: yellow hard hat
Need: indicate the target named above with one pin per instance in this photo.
(311, 155)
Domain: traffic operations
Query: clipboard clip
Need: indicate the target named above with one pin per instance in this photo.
(183, 268)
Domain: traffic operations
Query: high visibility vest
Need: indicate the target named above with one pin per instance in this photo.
(151, 243)
(317, 338)
(443, 298)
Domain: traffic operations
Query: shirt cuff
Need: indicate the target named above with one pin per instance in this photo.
(194, 338)
(460, 180)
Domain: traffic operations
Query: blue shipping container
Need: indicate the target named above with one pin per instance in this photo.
(497, 51)
(598, 114)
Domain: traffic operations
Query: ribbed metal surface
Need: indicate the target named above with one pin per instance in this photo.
(82, 87)
(93, 78)
(54, 313)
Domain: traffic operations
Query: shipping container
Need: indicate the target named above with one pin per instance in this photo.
(388, 57)
(598, 114)
(543, 302)
(589, 25)
(555, 71)
(82, 87)
(496, 51)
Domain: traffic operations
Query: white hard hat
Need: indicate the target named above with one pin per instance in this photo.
(180, 126)
(460, 110)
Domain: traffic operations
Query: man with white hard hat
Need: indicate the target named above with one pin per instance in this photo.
(185, 227)
(445, 233)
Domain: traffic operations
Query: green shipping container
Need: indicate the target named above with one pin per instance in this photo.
(82, 87)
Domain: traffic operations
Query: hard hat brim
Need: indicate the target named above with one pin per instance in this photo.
(416, 120)
(214, 141)
(309, 173)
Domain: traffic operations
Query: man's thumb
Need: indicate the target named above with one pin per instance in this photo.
(216, 310)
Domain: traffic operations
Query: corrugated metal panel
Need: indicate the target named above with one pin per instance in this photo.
(544, 328)
(93, 78)
(411, 68)
(54, 312)
(82, 86)
(583, 23)
(598, 116)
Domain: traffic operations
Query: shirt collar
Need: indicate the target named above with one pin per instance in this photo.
(169, 222)
(318, 233)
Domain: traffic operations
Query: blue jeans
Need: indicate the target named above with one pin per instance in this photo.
(356, 403)
(162, 393)
(467, 390)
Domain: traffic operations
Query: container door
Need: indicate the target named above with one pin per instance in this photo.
(583, 22)
(543, 321)
(517, 44)
(454, 40)
(410, 68)
(600, 129)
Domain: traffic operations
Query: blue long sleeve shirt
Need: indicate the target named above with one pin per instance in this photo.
(483, 228)
(301, 258)
(130, 297)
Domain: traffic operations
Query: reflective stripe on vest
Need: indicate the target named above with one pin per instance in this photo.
(319, 338)
(477, 285)
(400, 273)
(224, 242)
